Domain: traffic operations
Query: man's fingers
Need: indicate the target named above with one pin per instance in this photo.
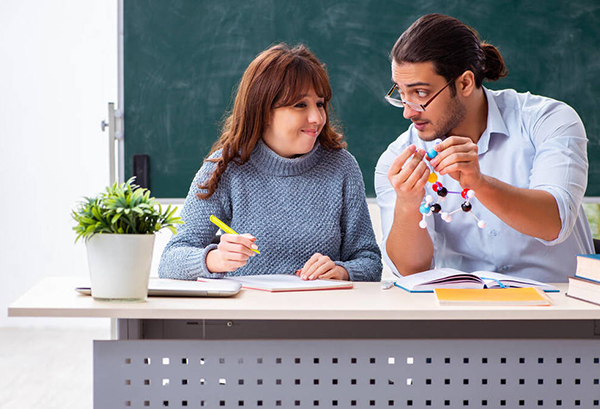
(397, 164)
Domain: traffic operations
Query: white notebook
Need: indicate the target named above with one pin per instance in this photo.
(284, 282)
(161, 287)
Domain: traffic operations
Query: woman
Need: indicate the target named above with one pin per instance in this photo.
(279, 172)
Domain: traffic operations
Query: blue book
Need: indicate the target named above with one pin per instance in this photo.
(588, 266)
(426, 281)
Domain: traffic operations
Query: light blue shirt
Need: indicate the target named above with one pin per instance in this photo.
(530, 142)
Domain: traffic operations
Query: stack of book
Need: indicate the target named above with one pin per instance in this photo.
(585, 284)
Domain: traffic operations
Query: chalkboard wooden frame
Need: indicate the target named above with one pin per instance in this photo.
(182, 60)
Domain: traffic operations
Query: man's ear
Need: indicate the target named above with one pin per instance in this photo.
(466, 83)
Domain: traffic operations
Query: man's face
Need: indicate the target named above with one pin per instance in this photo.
(418, 82)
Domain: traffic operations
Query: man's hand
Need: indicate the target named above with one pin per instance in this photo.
(458, 157)
(408, 176)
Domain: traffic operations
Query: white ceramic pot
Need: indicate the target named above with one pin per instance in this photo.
(120, 265)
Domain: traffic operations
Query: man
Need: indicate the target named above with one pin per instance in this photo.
(523, 156)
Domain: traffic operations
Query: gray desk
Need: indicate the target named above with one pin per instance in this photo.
(361, 348)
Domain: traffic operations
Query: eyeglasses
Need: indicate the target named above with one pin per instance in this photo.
(412, 105)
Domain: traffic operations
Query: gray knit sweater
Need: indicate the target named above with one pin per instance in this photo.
(294, 207)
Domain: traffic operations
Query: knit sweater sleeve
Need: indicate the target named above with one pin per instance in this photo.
(360, 254)
(184, 256)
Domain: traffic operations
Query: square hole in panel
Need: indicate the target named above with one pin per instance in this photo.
(202, 361)
(315, 360)
(259, 360)
(371, 381)
(147, 361)
(296, 381)
(184, 403)
(521, 360)
(484, 402)
(278, 360)
(184, 361)
(221, 360)
(259, 381)
(221, 403)
(577, 381)
(127, 403)
(391, 360)
(521, 381)
(202, 381)
(465, 381)
(315, 381)
(577, 402)
(147, 382)
(259, 403)
(390, 403)
(240, 403)
(334, 403)
(166, 361)
(427, 402)
(502, 381)
(540, 381)
(446, 381)
(353, 360)
(277, 403)
(372, 360)
(297, 360)
(334, 381)
(484, 381)
(127, 382)
(146, 403)
(577, 360)
(446, 402)
(222, 381)
(353, 381)
(559, 381)
(446, 360)
(240, 361)
(502, 403)
(296, 403)
(390, 381)
(465, 402)
(127, 361)
(596, 381)
(165, 403)
(484, 360)
(597, 360)
(240, 381)
(409, 402)
(166, 382)
(410, 360)
(540, 360)
(521, 403)
(352, 403)
(184, 381)
(428, 360)
(596, 402)
(540, 402)
(558, 402)
(315, 403)
(409, 382)
(334, 360)
(465, 360)
(427, 381)
(277, 381)
(559, 360)
(502, 360)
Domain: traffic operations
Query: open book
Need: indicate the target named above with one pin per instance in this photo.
(426, 281)
(285, 282)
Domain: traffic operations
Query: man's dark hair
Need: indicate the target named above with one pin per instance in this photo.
(452, 47)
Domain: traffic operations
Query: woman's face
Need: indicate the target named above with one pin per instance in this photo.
(293, 129)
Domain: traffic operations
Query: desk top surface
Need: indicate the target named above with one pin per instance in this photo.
(56, 297)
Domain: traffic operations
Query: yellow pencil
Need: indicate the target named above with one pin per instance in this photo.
(226, 228)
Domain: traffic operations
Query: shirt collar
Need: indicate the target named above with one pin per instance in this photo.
(495, 123)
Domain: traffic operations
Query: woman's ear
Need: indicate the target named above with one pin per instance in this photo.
(466, 83)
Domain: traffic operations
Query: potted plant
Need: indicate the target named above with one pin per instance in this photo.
(118, 227)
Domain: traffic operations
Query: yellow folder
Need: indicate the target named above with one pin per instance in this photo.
(492, 296)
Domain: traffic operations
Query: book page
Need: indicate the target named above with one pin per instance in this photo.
(287, 282)
(491, 280)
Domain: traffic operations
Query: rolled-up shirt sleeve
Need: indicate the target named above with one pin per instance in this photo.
(560, 166)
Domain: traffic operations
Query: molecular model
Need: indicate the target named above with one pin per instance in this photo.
(428, 207)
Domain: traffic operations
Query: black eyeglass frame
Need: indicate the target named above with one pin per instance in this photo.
(412, 105)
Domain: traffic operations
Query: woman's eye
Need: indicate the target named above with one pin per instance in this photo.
(300, 105)
(321, 104)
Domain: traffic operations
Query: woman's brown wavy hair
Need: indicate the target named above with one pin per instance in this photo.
(278, 77)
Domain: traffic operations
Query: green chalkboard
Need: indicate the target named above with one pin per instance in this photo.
(183, 58)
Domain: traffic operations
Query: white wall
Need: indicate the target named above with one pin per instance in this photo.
(58, 71)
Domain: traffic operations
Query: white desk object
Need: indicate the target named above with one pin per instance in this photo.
(365, 347)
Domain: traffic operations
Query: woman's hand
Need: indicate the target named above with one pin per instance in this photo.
(320, 266)
(232, 253)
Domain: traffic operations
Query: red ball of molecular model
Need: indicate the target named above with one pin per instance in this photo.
(428, 207)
